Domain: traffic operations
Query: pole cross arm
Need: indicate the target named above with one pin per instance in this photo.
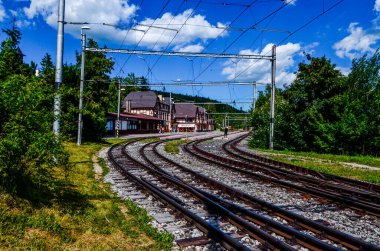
(180, 54)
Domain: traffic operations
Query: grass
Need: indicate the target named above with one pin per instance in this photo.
(173, 146)
(330, 163)
(80, 214)
(149, 140)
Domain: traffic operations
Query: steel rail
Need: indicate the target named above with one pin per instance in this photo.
(346, 240)
(287, 232)
(317, 179)
(263, 237)
(275, 178)
(209, 230)
(264, 160)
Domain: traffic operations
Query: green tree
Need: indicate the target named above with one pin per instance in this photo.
(307, 112)
(47, 69)
(11, 56)
(286, 130)
(28, 146)
(359, 130)
(97, 97)
(313, 99)
(144, 81)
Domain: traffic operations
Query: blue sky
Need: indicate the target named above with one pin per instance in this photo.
(345, 32)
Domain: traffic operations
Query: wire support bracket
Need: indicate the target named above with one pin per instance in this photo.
(180, 54)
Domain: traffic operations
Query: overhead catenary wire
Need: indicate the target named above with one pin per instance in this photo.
(107, 24)
(244, 32)
(295, 31)
(192, 12)
(213, 103)
(166, 28)
(241, 4)
(142, 37)
(177, 30)
(125, 37)
(171, 84)
(230, 28)
(292, 33)
(179, 54)
(311, 20)
(255, 40)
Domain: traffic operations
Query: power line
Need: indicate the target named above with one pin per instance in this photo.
(162, 84)
(158, 39)
(230, 28)
(229, 113)
(192, 12)
(125, 37)
(177, 11)
(236, 18)
(159, 14)
(257, 37)
(179, 54)
(295, 31)
(240, 35)
(233, 21)
(311, 20)
(213, 103)
(242, 4)
(128, 27)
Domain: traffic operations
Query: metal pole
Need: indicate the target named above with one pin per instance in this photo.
(80, 121)
(170, 112)
(118, 111)
(186, 125)
(272, 97)
(254, 96)
(204, 120)
(59, 65)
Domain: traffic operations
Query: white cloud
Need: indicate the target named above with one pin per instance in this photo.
(190, 48)
(356, 43)
(310, 48)
(118, 12)
(260, 70)
(110, 11)
(20, 21)
(377, 6)
(2, 11)
(197, 28)
(290, 2)
(344, 70)
(93, 11)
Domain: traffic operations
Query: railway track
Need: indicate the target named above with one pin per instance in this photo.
(212, 219)
(317, 184)
(232, 148)
(241, 210)
(271, 210)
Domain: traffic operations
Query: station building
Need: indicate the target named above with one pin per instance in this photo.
(147, 112)
(150, 104)
(132, 123)
(191, 118)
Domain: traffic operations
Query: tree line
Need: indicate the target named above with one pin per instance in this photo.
(29, 150)
(323, 110)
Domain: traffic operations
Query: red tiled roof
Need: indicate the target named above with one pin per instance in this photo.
(135, 116)
(141, 99)
(181, 110)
